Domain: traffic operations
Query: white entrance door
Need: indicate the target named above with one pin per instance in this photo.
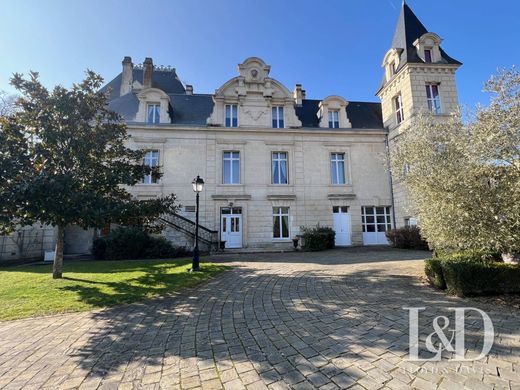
(341, 219)
(231, 227)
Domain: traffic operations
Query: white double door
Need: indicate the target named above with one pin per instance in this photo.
(231, 227)
(341, 219)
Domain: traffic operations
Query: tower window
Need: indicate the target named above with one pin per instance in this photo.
(433, 98)
(427, 55)
(393, 66)
(399, 111)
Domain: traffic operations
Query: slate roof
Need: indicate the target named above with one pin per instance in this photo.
(408, 29)
(362, 115)
(195, 109)
(165, 80)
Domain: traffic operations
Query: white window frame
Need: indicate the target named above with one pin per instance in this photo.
(278, 211)
(335, 159)
(278, 117)
(275, 157)
(233, 112)
(151, 159)
(398, 107)
(156, 113)
(387, 214)
(434, 102)
(234, 156)
(333, 116)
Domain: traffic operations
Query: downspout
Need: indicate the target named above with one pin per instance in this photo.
(390, 181)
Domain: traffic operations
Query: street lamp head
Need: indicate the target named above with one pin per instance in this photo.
(198, 184)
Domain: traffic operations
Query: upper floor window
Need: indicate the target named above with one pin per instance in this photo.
(393, 67)
(231, 115)
(279, 168)
(337, 168)
(428, 55)
(433, 97)
(333, 119)
(151, 159)
(231, 168)
(154, 110)
(399, 111)
(278, 119)
(280, 222)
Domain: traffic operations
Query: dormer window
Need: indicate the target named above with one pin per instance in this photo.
(278, 119)
(231, 115)
(393, 67)
(333, 119)
(153, 113)
(428, 56)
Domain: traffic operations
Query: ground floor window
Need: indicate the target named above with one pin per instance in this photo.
(409, 221)
(375, 219)
(280, 222)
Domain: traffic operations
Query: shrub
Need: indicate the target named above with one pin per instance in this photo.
(472, 272)
(318, 238)
(133, 243)
(466, 278)
(433, 271)
(408, 237)
(486, 255)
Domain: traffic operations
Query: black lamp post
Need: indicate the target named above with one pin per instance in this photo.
(198, 186)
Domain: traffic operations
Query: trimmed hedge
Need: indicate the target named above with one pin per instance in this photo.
(127, 243)
(408, 237)
(469, 273)
(318, 238)
(466, 278)
(433, 271)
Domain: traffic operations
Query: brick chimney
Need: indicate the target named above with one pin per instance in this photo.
(127, 77)
(147, 72)
(298, 94)
(189, 89)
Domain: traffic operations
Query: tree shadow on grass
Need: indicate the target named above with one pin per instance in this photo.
(288, 325)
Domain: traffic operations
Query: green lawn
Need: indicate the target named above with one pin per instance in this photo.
(29, 290)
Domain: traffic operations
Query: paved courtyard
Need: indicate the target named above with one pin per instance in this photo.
(280, 321)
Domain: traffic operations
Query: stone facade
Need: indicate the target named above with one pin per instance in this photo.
(332, 150)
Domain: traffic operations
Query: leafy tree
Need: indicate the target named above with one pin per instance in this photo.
(64, 160)
(464, 178)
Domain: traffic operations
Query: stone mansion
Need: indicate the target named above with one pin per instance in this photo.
(273, 160)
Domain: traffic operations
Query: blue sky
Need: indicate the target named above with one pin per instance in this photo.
(331, 47)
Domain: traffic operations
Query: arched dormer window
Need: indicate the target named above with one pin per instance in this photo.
(333, 113)
(153, 106)
(428, 47)
(391, 63)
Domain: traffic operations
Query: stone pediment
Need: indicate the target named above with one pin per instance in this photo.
(254, 93)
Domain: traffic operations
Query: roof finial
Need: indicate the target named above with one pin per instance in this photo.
(404, 3)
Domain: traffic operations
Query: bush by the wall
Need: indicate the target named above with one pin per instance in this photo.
(433, 271)
(408, 237)
(318, 238)
(133, 243)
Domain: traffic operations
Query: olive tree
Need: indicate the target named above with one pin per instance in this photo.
(64, 160)
(463, 177)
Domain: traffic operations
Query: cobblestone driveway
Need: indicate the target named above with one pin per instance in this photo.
(326, 320)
